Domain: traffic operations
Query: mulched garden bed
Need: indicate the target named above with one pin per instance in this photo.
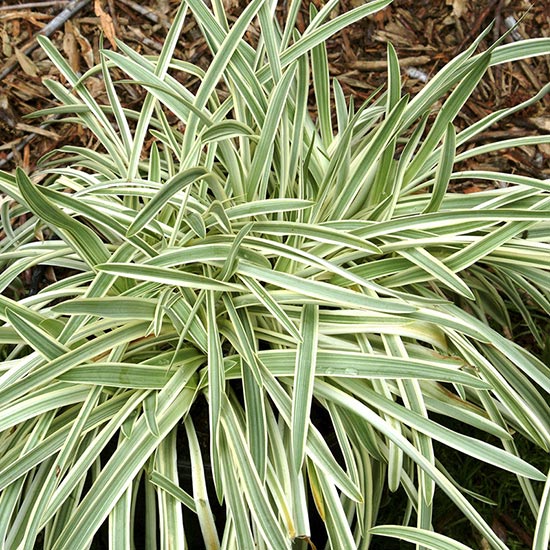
(426, 34)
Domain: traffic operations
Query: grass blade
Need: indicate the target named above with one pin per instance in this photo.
(306, 359)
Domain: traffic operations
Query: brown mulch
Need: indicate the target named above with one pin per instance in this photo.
(426, 34)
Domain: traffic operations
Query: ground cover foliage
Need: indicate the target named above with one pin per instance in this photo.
(268, 322)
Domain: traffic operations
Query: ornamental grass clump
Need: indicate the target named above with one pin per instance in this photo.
(262, 322)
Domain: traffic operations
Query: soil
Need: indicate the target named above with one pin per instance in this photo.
(426, 34)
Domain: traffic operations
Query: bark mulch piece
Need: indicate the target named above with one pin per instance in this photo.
(426, 34)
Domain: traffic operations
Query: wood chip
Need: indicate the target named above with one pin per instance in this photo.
(460, 7)
(542, 122)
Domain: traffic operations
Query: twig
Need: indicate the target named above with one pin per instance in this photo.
(146, 41)
(142, 10)
(26, 140)
(382, 64)
(59, 20)
(477, 25)
(18, 147)
(30, 5)
(498, 20)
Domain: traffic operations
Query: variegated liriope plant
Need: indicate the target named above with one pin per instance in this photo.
(261, 321)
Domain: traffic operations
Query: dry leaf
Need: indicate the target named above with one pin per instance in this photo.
(26, 64)
(6, 43)
(69, 47)
(106, 22)
(15, 30)
(86, 49)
